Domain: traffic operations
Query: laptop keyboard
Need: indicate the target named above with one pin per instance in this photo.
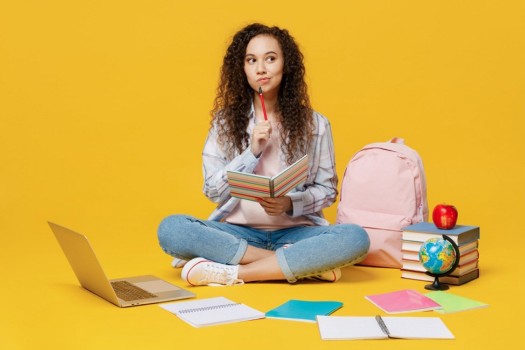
(127, 291)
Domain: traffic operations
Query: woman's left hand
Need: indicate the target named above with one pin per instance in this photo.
(276, 206)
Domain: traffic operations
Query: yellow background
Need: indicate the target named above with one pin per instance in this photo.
(104, 107)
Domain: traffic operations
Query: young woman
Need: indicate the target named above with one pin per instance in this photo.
(285, 238)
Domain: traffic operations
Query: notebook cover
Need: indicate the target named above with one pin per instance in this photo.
(451, 303)
(303, 310)
(406, 300)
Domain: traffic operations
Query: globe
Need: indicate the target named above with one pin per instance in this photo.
(438, 256)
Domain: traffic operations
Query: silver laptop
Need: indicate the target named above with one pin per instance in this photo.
(122, 292)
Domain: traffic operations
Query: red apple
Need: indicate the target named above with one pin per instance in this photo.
(445, 216)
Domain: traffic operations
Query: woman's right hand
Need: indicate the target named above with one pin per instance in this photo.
(260, 136)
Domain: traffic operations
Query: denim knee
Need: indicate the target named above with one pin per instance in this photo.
(168, 230)
(355, 238)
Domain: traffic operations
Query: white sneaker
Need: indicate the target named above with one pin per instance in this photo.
(202, 272)
(330, 276)
(176, 263)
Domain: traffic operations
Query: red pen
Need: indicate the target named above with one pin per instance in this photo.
(262, 103)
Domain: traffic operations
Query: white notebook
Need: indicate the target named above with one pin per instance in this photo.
(212, 311)
(359, 327)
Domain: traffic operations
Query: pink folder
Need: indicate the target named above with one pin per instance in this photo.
(406, 300)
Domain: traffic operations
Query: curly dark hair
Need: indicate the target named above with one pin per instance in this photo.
(234, 96)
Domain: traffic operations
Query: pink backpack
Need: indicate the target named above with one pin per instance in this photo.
(383, 190)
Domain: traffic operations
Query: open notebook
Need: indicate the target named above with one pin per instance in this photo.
(366, 327)
(252, 186)
(212, 311)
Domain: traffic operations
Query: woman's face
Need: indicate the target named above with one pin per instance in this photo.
(264, 63)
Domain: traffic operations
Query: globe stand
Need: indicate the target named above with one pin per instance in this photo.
(436, 285)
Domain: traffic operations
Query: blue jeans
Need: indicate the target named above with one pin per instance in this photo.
(313, 250)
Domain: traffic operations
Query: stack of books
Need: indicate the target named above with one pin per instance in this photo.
(467, 239)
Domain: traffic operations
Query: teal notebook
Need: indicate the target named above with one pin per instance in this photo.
(303, 310)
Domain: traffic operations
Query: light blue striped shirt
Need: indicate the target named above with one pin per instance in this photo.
(318, 192)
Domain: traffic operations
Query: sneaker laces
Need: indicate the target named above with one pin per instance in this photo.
(220, 275)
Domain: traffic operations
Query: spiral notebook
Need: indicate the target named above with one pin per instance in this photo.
(378, 327)
(212, 311)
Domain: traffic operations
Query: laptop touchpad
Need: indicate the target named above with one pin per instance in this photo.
(158, 286)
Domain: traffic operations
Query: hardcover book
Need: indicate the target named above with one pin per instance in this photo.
(252, 186)
(458, 271)
(463, 258)
(421, 232)
(413, 247)
(452, 280)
